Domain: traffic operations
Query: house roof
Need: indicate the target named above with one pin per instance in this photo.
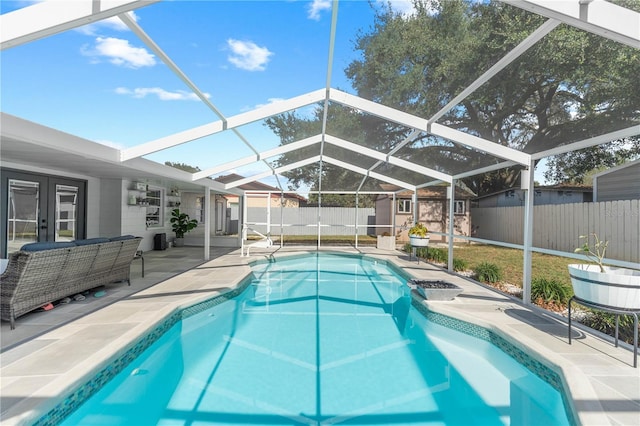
(557, 187)
(256, 186)
(439, 192)
(45, 27)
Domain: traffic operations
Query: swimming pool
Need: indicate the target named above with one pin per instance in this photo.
(321, 339)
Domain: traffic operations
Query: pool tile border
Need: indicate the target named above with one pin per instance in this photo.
(77, 397)
(532, 364)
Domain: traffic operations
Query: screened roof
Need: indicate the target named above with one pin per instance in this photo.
(195, 82)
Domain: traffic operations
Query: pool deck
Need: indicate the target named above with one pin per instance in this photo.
(50, 353)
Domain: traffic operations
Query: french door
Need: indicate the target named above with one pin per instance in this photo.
(37, 208)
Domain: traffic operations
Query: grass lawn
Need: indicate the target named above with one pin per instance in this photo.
(511, 262)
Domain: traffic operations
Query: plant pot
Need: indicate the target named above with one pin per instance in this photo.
(616, 287)
(178, 242)
(386, 242)
(435, 289)
(418, 241)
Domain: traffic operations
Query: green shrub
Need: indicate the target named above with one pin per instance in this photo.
(459, 265)
(437, 254)
(488, 272)
(606, 323)
(549, 290)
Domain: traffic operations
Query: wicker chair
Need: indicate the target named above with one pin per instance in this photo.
(44, 272)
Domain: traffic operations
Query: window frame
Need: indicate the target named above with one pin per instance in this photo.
(403, 203)
(456, 209)
(154, 202)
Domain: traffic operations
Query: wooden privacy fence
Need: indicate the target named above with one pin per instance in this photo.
(559, 226)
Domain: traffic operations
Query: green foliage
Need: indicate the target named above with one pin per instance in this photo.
(418, 230)
(595, 251)
(460, 265)
(606, 323)
(549, 290)
(183, 166)
(181, 223)
(437, 254)
(488, 272)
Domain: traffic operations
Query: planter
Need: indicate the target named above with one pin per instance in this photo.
(435, 289)
(617, 287)
(418, 241)
(178, 242)
(386, 242)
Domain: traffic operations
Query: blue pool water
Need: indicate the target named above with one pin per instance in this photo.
(321, 339)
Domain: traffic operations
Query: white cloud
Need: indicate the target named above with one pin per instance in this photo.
(163, 95)
(114, 23)
(120, 52)
(403, 7)
(270, 101)
(247, 55)
(318, 6)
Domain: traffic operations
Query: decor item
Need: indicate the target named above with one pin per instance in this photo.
(418, 235)
(435, 289)
(181, 224)
(386, 242)
(604, 285)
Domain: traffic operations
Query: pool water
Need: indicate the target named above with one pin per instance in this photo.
(321, 339)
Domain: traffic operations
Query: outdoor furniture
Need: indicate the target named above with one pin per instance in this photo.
(45, 272)
(617, 312)
(140, 255)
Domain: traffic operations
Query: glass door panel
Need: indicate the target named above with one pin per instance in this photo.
(23, 213)
(66, 209)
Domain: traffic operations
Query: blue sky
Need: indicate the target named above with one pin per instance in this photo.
(102, 83)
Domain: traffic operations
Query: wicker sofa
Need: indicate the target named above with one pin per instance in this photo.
(45, 272)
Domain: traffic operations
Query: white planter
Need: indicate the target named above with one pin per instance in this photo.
(418, 241)
(386, 242)
(178, 242)
(617, 287)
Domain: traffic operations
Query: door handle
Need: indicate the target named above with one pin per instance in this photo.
(43, 226)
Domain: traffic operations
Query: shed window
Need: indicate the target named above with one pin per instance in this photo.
(459, 207)
(404, 206)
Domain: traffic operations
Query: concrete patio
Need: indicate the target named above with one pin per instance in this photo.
(49, 353)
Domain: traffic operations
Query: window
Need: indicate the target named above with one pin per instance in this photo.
(155, 210)
(510, 194)
(459, 207)
(199, 210)
(404, 206)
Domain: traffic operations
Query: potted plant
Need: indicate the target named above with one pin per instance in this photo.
(386, 241)
(418, 235)
(181, 224)
(601, 284)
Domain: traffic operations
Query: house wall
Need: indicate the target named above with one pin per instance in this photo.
(516, 197)
(432, 212)
(622, 184)
(383, 216)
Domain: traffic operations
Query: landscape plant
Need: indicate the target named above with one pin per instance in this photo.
(459, 265)
(488, 272)
(594, 251)
(549, 290)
